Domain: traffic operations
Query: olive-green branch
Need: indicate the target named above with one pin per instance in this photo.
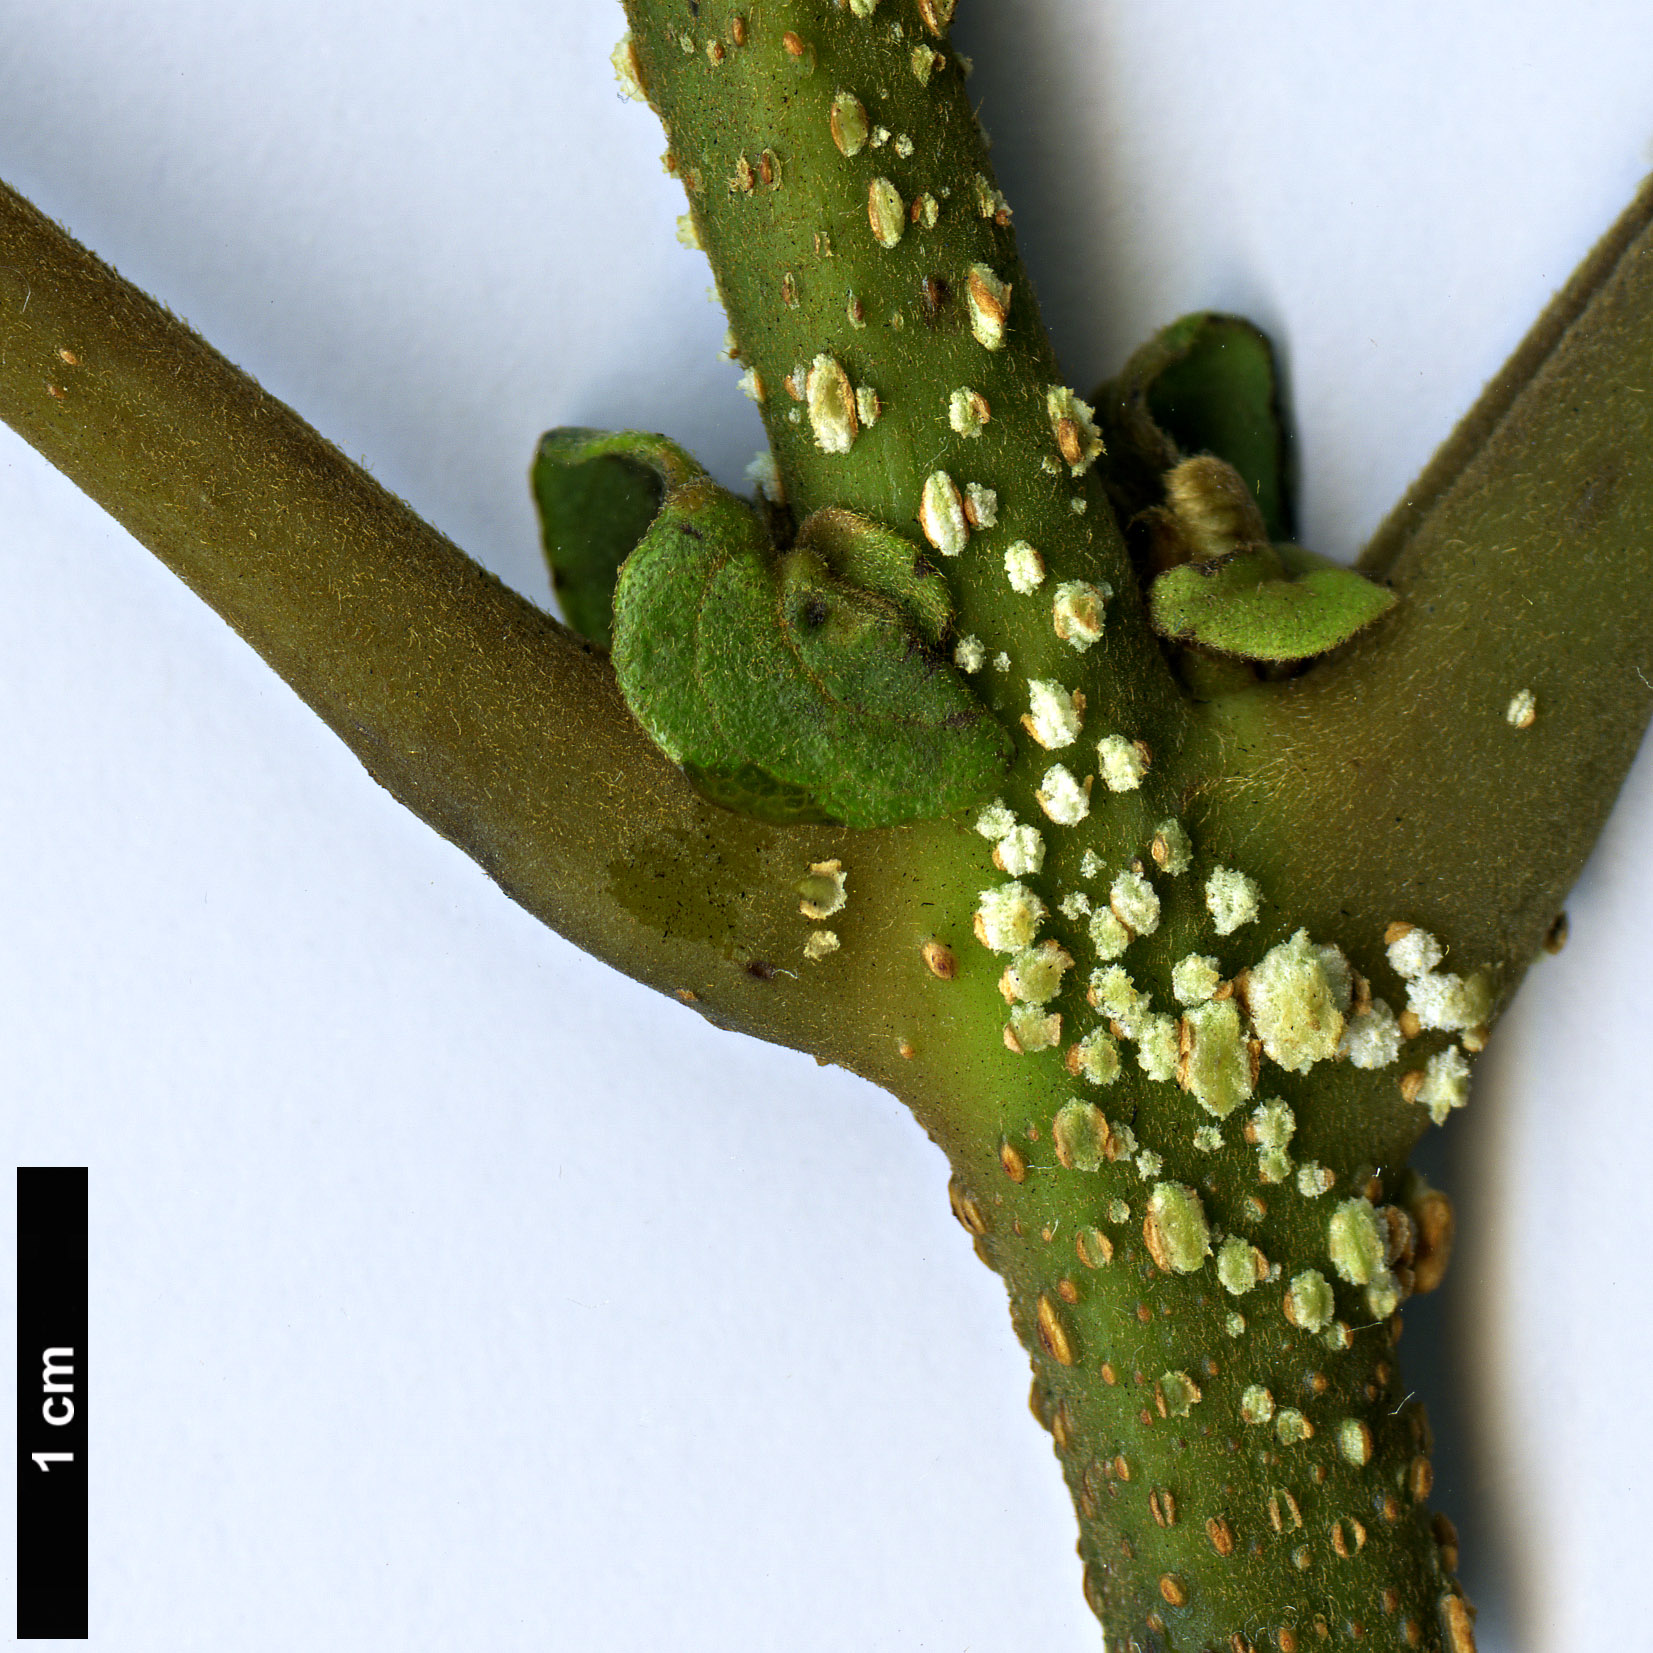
(479, 712)
(1524, 564)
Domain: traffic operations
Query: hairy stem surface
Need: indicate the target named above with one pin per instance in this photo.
(1239, 1448)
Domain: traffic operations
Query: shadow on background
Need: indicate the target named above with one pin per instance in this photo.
(1441, 1361)
(1027, 79)
(1024, 81)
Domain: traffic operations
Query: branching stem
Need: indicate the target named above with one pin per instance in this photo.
(836, 177)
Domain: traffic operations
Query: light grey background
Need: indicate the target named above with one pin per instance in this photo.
(449, 1290)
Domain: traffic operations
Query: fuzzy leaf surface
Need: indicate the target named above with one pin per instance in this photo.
(786, 691)
(596, 493)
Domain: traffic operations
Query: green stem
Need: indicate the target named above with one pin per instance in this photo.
(1240, 1476)
(802, 273)
(1234, 1473)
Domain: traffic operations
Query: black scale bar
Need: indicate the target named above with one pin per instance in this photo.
(51, 1402)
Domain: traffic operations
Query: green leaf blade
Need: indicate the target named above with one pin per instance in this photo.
(1231, 606)
(596, 493)
(787, 691)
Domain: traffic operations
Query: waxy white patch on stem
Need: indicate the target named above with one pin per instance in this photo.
(833, 415)
(988, 301)
(941, 514)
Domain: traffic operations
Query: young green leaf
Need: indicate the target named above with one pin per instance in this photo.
(1205, 384)
(1239, 605)
(596, 493)
(785, 690)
